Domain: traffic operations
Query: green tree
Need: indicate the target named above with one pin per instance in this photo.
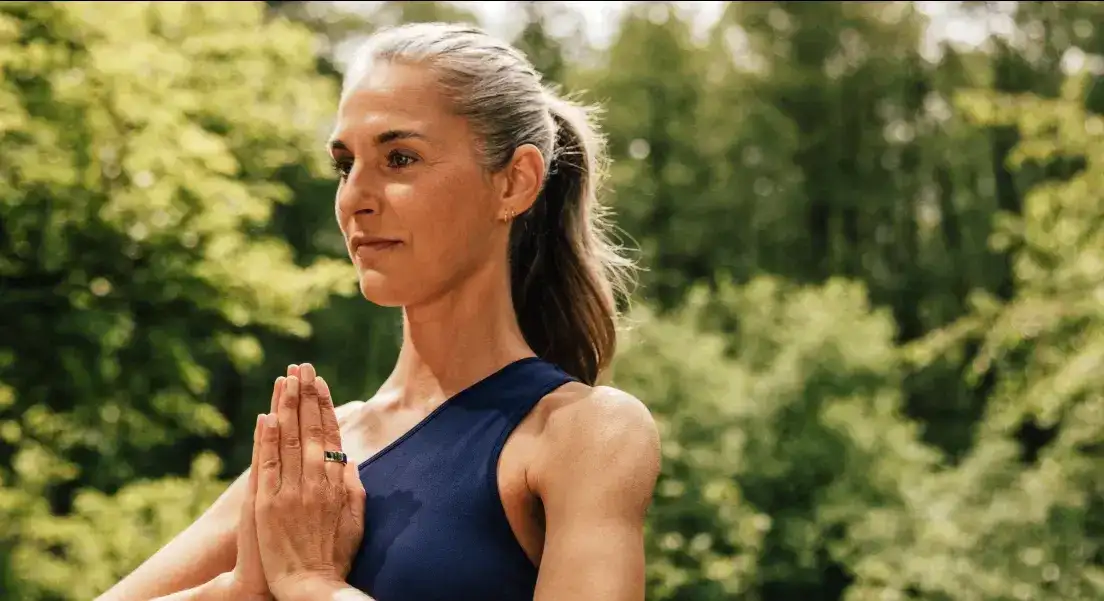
(140, 147)
(397, 13)
(650, 82)
(545, 50)
(1020, 517)
(780, 432)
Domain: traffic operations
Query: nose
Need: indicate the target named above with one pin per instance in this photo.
(357, 196)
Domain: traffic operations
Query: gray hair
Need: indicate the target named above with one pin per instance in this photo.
(566, 274)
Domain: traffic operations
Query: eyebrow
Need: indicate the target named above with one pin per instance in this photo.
(388, 136)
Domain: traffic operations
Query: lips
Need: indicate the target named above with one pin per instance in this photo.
(378, 244)
(365, 247)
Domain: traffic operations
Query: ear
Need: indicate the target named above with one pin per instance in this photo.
(521, 182)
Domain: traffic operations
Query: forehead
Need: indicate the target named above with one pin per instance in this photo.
(389, 96)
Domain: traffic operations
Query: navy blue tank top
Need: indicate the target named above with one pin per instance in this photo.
(435, 528)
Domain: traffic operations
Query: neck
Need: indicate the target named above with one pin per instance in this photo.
(456, 340)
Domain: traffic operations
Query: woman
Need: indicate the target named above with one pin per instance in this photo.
(493, 464)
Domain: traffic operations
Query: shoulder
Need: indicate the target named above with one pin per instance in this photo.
(597, 433)
(582, 416)
(345, 411)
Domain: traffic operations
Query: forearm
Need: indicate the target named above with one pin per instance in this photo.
(219, 588)
(201, 552)
(320, 590)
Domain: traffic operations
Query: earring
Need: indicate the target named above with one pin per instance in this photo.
(509, 215)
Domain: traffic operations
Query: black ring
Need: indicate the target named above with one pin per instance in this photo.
(336, 457)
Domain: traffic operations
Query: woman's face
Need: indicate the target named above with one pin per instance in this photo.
(418, 212)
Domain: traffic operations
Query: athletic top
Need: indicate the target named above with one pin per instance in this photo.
(435, 528)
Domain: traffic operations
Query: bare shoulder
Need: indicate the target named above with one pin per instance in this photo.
(583, 415)
(597, 433)
(346, 409)
(346, 413)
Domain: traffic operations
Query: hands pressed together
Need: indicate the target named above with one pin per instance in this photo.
(303, 515)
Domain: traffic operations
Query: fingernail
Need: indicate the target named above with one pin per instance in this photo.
(270, 420)
(290, 368)
(320, 384)
(260, 416)
(293, 385)
(306, 372)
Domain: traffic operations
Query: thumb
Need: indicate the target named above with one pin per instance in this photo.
(248, 525)
(354, 489)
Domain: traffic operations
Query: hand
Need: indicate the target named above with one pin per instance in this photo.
(248, 578)
(310, 512)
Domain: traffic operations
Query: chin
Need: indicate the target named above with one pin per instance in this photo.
(376, 289)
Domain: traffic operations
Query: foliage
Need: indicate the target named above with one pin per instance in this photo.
(803, 439)
(81, 554)
(140, 143)
(1020, 517)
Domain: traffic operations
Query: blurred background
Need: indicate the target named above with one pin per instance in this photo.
(871, 325)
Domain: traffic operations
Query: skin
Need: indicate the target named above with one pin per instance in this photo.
(577, 475)
(309, 512)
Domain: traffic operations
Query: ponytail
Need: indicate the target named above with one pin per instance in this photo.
(566, 275)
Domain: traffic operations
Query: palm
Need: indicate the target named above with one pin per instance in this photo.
(350, 532)
(249, 576)
(248, 572)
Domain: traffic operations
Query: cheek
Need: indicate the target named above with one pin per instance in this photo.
(341, 208)
(443, 218)
(337, 212)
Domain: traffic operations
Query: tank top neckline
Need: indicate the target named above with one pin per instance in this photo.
(452, 400)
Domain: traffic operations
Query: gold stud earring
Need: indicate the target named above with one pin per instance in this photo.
(509, 215)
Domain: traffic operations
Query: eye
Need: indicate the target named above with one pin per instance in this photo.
(342, 167)
(398, 160)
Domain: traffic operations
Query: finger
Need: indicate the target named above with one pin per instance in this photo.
(310, 425)
(269, 479)
(254, 465)
(331, 431)
(292, 370)
(291, 452)
(354, 490)
(277, 390)
(247, 525)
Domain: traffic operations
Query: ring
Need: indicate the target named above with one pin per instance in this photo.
(336, 457)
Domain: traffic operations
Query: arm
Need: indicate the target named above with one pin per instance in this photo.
(595, 475)
(322, 590)
(218, 589)
(204, 550)
(199, 554)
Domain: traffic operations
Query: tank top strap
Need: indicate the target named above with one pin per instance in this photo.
(530, 382)
(523, 388)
